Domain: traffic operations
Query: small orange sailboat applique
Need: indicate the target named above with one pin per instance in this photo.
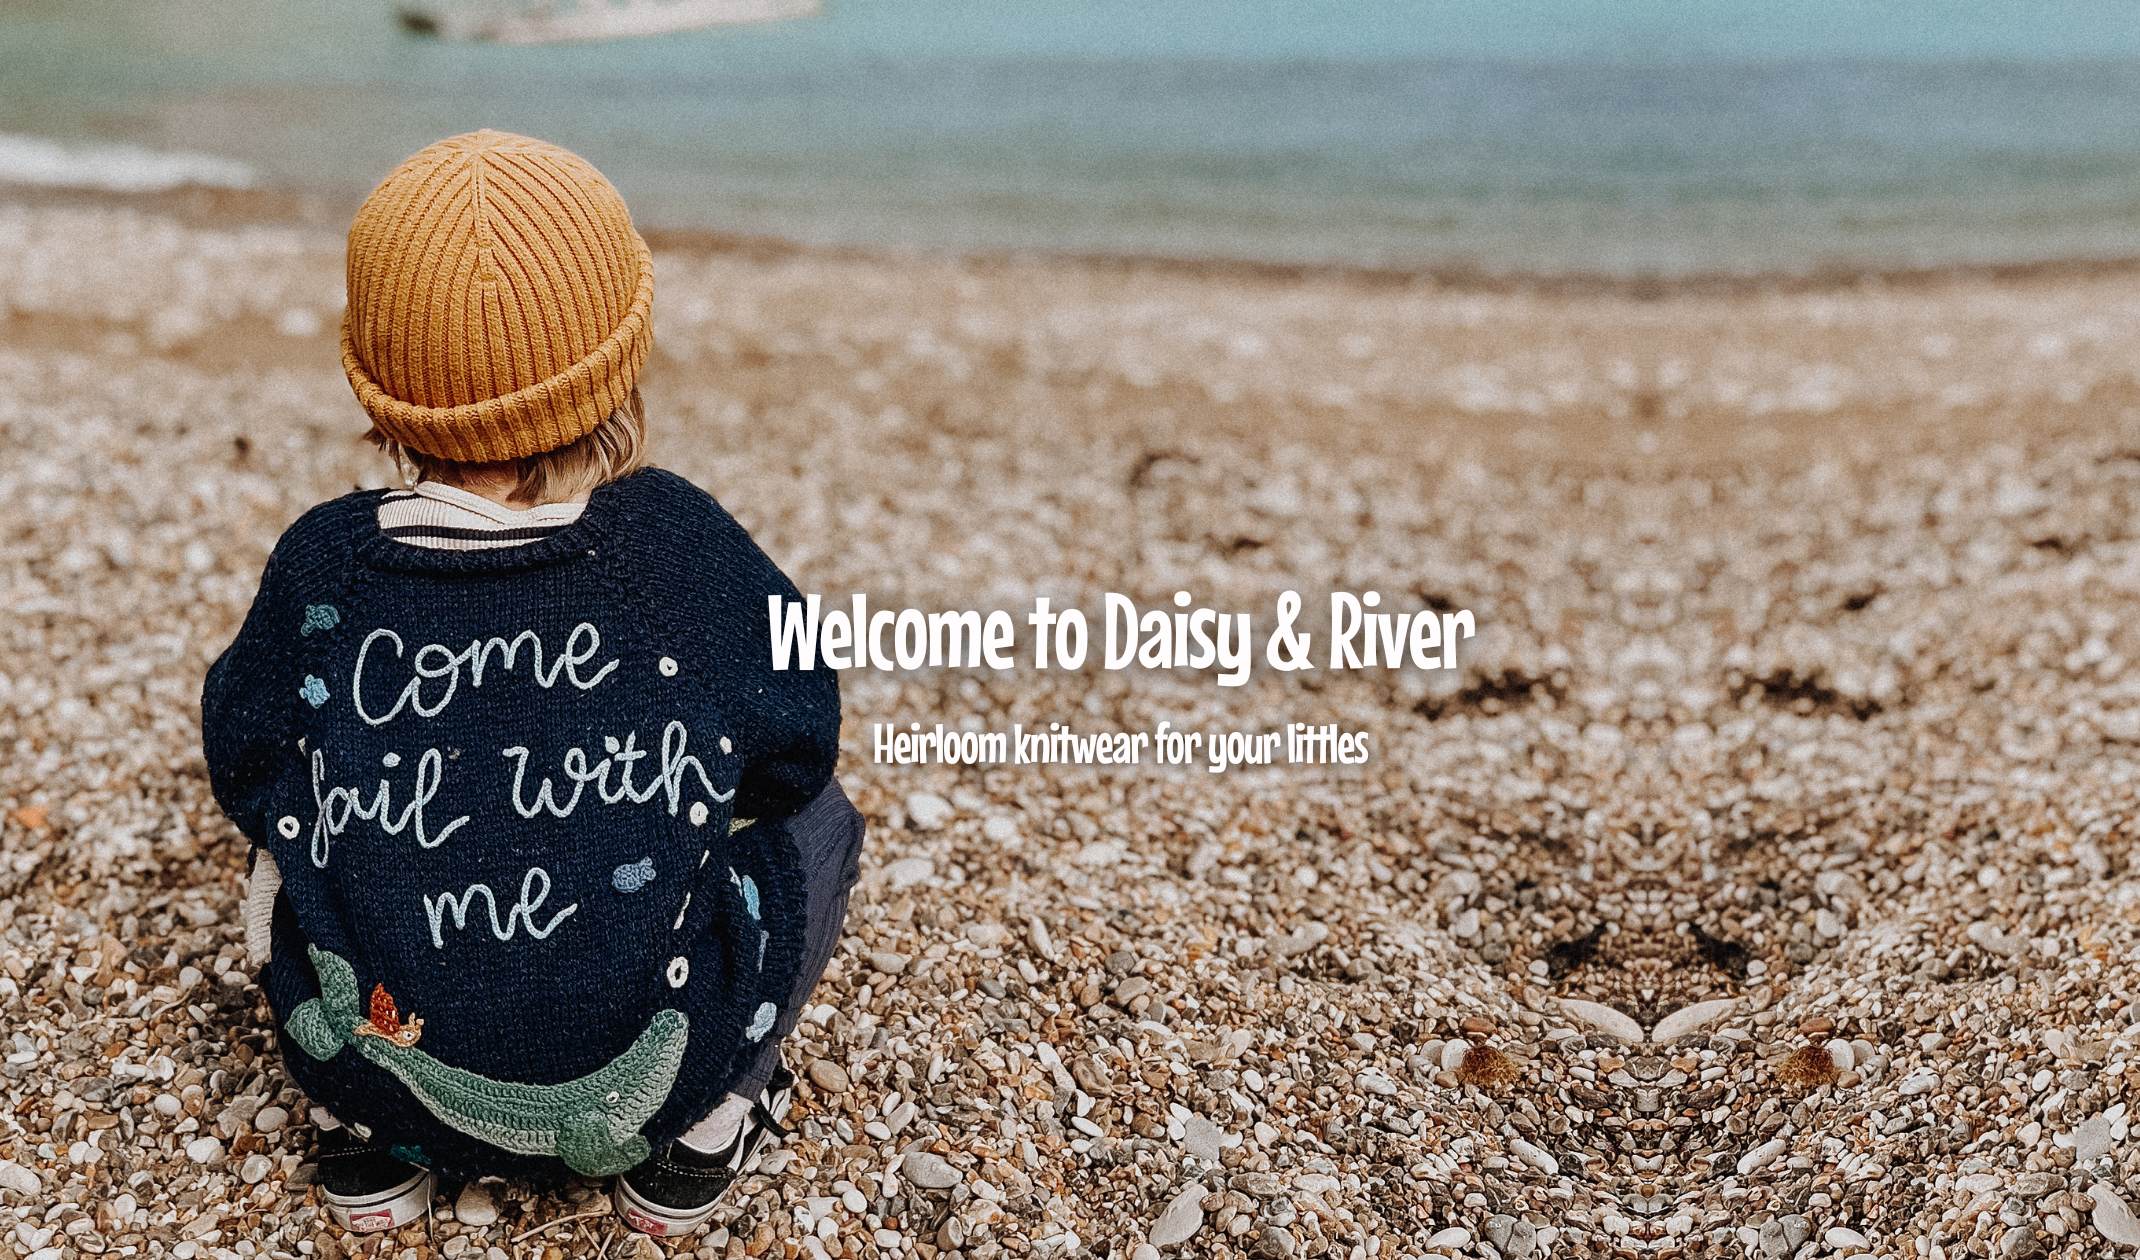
(386, 1023)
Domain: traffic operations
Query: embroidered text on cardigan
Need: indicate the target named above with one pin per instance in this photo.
(447, 664)
(674, 761)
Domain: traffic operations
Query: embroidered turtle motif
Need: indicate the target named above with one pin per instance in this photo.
(320, 617)
(386, 1022)
(314, 691)
(633, 876)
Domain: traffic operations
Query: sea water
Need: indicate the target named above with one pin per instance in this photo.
(1509, 136)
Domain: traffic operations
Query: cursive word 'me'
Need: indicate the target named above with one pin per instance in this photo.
(522, 912)
(674, 761)
(337, 805)
(436, 660)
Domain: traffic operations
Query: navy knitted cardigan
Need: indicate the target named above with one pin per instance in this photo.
(533, 798)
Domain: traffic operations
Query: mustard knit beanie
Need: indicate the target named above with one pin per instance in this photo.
(499, 300)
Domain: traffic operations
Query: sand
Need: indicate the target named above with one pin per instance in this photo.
(1801, 718)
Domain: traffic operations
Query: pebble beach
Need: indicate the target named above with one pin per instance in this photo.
(1760, 884)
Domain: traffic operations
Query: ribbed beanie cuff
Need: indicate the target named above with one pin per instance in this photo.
(500, 301)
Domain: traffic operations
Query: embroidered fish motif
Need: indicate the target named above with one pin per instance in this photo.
(762, 1022)
(633, 876)
(320, 617)
(314, 691)
(386, 1022)
(591, 1123)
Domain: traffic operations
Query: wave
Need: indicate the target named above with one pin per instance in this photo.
(115, 167)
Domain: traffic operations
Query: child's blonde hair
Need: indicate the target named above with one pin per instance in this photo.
(612, 449)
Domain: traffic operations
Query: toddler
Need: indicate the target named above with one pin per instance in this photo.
(547, 859)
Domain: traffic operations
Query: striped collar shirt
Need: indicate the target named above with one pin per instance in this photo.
(451, 519)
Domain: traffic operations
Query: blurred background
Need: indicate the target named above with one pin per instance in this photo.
(1510, 136)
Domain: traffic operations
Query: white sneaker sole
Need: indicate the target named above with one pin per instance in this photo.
(405, 1204)
(657, 1221)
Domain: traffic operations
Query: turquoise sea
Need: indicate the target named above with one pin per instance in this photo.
(1526, 136)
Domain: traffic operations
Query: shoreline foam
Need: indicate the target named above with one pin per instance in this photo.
(214, 205)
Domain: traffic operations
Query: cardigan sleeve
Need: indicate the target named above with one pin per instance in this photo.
(710, 582)
(249, 700)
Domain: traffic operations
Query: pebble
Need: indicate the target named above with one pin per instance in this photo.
(1375, 1081)
(2112, 1218)
(929, 1171)
(1535, 1157)
(1305, 938)
(905, 873)
(204, 1150)
(1691, 1019)
(255, 1169)
(1260, 1184)
(475, 1207)
(1991, 940)
(1511, 1235)
(928, 811)
(2091, 1139)
(1759, 1157)
(1181, 1219)
(1769, 1238)
(1606, 1019)
(1453, 1054)
(1454, 1238)
(270, 1120)
(1144, 1251)
(1796, 1229)
(15, 1177)
(1843, 1238)
(1201, 1138)
(829, 1076)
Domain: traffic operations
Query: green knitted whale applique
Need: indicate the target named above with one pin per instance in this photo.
(591, 1123)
